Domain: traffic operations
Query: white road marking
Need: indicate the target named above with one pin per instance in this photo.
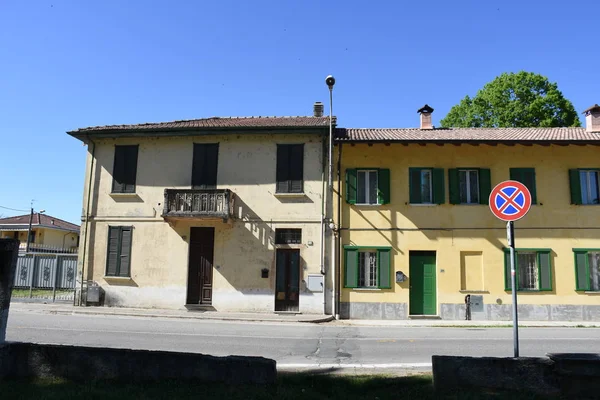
(221, 335)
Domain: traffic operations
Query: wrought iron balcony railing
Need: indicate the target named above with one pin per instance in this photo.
(198, 203)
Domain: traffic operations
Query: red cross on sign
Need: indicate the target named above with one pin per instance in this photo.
(510, 201)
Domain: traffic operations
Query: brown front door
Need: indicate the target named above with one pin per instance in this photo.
(287, 286)
(202, 242)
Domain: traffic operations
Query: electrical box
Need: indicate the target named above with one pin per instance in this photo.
(476, 303)
(315, 283)
(93, 294)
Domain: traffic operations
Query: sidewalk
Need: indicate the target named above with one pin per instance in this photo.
(68, 309)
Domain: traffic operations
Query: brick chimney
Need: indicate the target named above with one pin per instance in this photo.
(425, 112)
(318, 109)
(592, 118)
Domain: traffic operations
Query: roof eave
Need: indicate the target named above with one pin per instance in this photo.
(456, 142)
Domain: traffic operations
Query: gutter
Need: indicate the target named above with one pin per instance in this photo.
(87, 218)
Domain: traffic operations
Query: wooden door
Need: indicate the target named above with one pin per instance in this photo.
(287, 280)
(202, 242)
(422, 283)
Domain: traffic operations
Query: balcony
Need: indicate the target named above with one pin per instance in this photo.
(198, 203)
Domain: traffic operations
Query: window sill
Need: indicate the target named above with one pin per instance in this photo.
(118, 278)
(592, 292)
(288, 195)
(366, 289)
(475, 291)
(123, 195)
(423, 205)
(367, 205)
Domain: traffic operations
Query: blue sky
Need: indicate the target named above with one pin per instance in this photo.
(69, 63)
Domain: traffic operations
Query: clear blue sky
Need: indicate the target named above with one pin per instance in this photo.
(67, 64)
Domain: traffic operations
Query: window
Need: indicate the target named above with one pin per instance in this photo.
(32, 237)
(584, 186)
(469, 185)
(119, 251)
(368, 186)
(288, 236)
(527, 177)
(125, 169)
(204, 167)
(533, 269)
(367, 268)
(426, 186)
(587, 269)
(290, 168)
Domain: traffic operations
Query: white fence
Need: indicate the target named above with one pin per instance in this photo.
(45, 276)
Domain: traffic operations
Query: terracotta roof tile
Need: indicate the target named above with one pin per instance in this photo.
(41, 220)
(218, 122)
(465, 134)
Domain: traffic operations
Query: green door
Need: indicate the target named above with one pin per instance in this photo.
(422, 283)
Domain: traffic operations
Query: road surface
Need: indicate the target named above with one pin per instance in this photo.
(297, 345)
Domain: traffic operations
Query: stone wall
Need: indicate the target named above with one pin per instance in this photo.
(29, 360)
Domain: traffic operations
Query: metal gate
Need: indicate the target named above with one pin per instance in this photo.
(44, 276)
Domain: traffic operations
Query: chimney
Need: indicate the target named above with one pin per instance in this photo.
(592, 118)
(318, 109)
(425, 112)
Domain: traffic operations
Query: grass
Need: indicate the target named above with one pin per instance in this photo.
(289, 386)
(40, 292)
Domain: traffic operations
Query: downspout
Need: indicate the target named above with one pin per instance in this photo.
(87, 218)
(64, 237)
(322, 254)
(338, 261)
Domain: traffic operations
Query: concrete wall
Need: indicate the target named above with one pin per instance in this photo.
(243, 246)
(467, 239)
(86, 364)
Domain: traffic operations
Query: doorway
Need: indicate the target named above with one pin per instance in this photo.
(287, 280)
(202, 243)
(422, 299)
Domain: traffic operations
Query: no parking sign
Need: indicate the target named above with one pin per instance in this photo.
(510, 201)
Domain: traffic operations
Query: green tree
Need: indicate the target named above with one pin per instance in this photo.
(522, 99)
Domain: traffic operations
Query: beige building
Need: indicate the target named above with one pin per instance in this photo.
(216, 213)
(47, 232)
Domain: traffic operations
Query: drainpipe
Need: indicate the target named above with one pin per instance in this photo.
(64, 237)
(338, 264)
(322, 253)
(87, 218)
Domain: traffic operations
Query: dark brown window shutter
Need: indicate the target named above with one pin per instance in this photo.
(125, 169)
(112, 256)
(296, 168)
(283, 170)
(125, 251)
(205, 166)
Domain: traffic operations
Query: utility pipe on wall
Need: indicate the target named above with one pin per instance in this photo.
(87, 217)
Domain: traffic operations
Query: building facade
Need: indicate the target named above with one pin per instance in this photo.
(47, 232)
(219, 213)
(416, 235)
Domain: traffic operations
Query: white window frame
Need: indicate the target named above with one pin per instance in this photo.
(368, 273)
(586, 198)
(367, 192)
(422, 179)
(468, 176)
(536, 271)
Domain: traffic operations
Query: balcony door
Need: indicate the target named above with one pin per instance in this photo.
(204, 167)
(200, 268)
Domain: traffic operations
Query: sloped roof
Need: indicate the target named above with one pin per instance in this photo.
(214, 123)
(38, 221)
(566, 135)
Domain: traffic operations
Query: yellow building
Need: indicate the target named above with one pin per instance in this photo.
(415, 234)
(215, 213)
(48, 233)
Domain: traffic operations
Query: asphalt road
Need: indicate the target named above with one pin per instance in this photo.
(297, 345)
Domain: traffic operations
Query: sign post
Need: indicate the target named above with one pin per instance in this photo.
(510, 201)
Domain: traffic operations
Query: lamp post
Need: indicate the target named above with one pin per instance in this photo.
(330, 81)
(29, 229)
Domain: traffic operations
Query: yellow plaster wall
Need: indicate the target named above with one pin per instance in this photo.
(452, 229)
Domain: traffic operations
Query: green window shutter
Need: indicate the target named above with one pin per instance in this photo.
(527, 177)
(112, 253)
(351, 186)
(485, 185)
(545, 270)
(507, 281)
(575, 184)
(454, 186)
(350, 268)
(581, 271)
(384, 270)
(439, 190)
(414, 183)
(383, 181)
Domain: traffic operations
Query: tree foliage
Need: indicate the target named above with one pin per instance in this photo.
(522, 99)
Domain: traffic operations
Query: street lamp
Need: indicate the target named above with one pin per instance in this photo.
(29, 229)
